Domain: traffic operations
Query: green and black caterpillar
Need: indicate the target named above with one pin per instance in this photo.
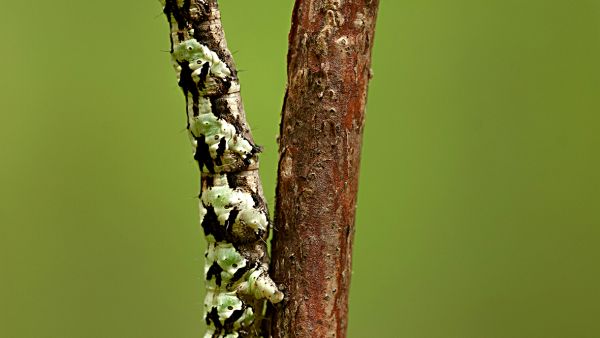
(233, 211)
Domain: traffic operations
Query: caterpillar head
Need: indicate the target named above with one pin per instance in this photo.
(196, 55)
(190, 51)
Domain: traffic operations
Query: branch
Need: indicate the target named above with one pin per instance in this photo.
(320, 139)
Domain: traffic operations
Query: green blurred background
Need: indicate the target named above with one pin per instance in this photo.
(479, 206)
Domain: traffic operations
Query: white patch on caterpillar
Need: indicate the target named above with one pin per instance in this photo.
(227, 257)
(223, 199)
(214, 130)
(209, 81)
(260, 285)
(197, 54)
(225, 304)
(255, 282)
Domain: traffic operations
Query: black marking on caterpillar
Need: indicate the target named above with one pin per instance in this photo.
(220, 151)
(202, 155)
(213, 318)
(241, 273)
(215, 271)
(231, 219)
(203, 75)
(186, 82)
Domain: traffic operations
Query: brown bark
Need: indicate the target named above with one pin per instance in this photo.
(320, 139)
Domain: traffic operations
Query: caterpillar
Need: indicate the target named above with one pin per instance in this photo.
(233, 212)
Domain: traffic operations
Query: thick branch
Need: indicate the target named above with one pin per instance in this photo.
(320, 140)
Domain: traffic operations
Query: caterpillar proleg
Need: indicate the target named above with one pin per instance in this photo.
(233, 212)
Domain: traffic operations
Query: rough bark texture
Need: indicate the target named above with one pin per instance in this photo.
(320, 141)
